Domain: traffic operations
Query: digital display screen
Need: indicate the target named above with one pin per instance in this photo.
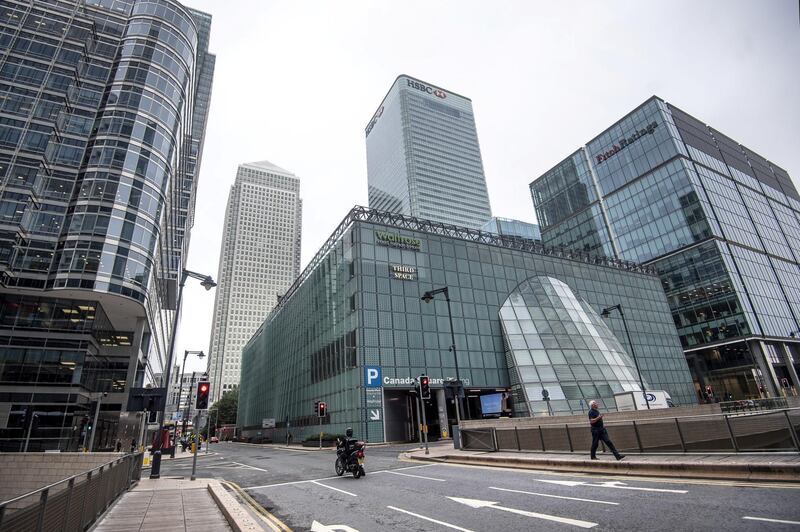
(491, 404)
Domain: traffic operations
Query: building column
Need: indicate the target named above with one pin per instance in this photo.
(441, 406)
(759, 351)
(787, 356)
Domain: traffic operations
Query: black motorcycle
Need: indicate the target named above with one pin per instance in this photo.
(353, 462)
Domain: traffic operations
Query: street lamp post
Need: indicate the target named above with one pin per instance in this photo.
(427, 297)
(208, 283)
(186, 353)
(96, 416)
(606, 313)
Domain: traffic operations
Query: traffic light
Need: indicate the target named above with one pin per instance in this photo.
(316, 408)
(323, 409)
(203, 388)
(424, 387)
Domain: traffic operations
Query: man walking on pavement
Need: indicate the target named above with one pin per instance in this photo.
(600, 433)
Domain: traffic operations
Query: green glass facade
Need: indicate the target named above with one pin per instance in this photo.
(357, 306)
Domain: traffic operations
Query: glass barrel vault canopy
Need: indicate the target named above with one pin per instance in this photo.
(557, 342)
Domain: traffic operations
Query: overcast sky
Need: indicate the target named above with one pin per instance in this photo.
(297, 81)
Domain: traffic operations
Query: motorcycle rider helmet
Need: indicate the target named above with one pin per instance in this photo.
(349, 432)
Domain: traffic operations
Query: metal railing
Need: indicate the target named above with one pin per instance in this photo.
(775, 430)
(753, 405)
(74, 503)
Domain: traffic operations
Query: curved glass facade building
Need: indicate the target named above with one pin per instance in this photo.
(352, 331)
(102, 117)
(559, 344)
(718, 221)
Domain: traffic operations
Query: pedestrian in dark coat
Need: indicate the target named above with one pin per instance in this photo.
(599, 433)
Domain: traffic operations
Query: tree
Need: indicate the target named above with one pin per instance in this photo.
(223, 411)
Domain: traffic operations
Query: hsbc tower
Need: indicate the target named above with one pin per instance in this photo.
(423, 156)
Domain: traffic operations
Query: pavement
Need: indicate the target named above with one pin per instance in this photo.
(300, 489)
(179, 504)
(732, 466)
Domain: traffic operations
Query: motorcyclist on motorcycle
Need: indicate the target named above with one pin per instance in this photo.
(350, 455)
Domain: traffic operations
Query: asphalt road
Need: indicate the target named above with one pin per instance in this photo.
(301, 487)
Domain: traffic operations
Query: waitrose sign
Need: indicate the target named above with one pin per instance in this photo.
(396, 240)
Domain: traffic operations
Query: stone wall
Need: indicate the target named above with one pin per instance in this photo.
(25, 472)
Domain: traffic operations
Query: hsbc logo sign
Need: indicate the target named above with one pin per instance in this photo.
(439, 93)
(374, 120)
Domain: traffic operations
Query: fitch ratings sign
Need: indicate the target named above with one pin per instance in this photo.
(372, 376)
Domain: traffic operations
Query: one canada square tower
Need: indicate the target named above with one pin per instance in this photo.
(423, 156)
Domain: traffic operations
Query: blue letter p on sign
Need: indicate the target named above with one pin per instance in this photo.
(372, 376)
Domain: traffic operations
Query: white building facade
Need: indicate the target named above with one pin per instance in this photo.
(259, 260)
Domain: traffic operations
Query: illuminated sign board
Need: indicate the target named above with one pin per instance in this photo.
(396, 240)
(624, 143)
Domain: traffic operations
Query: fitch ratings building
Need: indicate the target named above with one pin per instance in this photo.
(719, 222)
(103, 108)
(423, 156)
(352, 331)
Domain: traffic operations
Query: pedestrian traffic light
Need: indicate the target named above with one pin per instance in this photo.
(424, 387)
(323, 409)
(203, 388)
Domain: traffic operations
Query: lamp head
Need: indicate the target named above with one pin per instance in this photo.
(427, 297)
(606, 313)
(208, 283)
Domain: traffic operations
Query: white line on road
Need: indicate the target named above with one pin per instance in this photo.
(555, 496)
(783, 521)
(334, 489)
(329, 478)
(611, 484)
(430, 519)
(415, 476)
(249, 466)
(476, 503)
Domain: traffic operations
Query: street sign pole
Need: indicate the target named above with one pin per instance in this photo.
(320, 432)
(417, 400)
(196, 449)
(424, 423)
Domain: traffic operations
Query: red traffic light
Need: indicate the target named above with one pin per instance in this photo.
(323, 407)
(202, 395)
(203, 388)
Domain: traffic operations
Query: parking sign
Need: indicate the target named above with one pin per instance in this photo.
(372, 376)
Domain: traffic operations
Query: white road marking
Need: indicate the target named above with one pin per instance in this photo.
(430, 519)
(616, 484)
(415, 476)
(555, 496)
(475, 503)
(316, 526)
(783, 521)
(331, 478)
(249, 466)
(334, 489)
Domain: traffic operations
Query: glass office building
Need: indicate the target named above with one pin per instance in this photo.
(509, 227)
(103, 107)
(423, 156)
(352, 331)
(719, 222)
